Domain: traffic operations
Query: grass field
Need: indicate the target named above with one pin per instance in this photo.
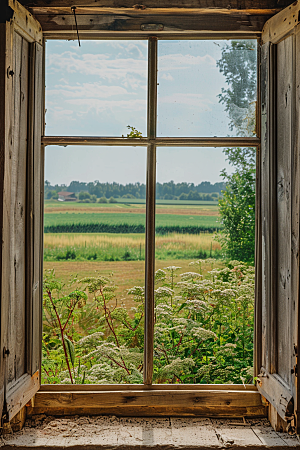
(120, 247)
(128, 218)
(124, 274)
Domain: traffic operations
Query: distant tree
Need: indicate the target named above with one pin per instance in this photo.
(83, 195)
(102, 200)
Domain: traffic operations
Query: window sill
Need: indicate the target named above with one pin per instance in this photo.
(155, 400)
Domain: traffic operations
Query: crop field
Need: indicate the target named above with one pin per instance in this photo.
(127, 247)
(61, 217)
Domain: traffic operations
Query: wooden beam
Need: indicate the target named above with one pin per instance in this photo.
(141, 387)
(137, 21)
(141, 10)
(214, 403)
(213, 4)
(160, 142)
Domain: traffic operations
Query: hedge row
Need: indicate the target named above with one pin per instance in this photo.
(126, 228)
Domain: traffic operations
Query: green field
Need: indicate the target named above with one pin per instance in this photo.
(129, 218)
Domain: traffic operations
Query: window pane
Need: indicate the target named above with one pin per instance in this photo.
(96, 89)
(204, 293)
(95, 237)
(207, 88)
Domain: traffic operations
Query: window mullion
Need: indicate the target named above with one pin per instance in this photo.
(150, 211)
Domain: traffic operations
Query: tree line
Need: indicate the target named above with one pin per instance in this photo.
(164, 191)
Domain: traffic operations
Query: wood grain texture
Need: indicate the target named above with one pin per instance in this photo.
(224, 4)
(19, 393)
(146, 402)
(296, 226)
(281, 24)
(37, 207)
(140, 387)
(265, 207)
(3, 132)
(285, 310)
(16, 339)
(24, 23)
(170, 23)
(159, 141)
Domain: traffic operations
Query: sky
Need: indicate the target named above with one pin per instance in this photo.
(101, 87)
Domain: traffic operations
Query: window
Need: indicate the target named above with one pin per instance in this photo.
(192, 98)
(277, 287)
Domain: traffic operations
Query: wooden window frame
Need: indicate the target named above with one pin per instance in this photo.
(149, 399)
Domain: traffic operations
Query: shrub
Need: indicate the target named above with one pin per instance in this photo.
(203, 328)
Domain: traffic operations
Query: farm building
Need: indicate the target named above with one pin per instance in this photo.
(67, 196)
(25, 26)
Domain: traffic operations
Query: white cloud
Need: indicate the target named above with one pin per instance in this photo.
(107, 105)
(180, 62)
(87, 90)
(100, 65)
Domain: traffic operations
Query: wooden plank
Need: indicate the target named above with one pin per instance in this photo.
(223, 4)
(152, 411)
(20, 393)
(221, 399)
(265, 210)
(137, 22)
(17, 341)
(3, 133)
(152, 387)
(36, 325)
(24, 23)
(296, 226)
(282, 24)
(276, 392)
(285, 310)
(137, 9)
(276, 421)
(220, 403)
(161, 142)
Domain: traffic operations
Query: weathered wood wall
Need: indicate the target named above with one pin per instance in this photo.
(280, 215)
(21, 119)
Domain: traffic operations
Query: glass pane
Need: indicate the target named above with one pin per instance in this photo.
(94, 252)
(97, 89)
(204, 293)
(207, 88)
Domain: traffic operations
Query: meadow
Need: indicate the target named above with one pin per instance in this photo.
(203, 327)
(94, 298)
(127, 247)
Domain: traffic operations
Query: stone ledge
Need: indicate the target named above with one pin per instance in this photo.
(118, 433)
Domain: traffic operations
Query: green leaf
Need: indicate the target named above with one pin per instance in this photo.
(70, 350)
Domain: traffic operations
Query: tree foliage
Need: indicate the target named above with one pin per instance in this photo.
(237, 207)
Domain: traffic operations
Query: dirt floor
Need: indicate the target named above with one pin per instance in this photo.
(97, 432)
